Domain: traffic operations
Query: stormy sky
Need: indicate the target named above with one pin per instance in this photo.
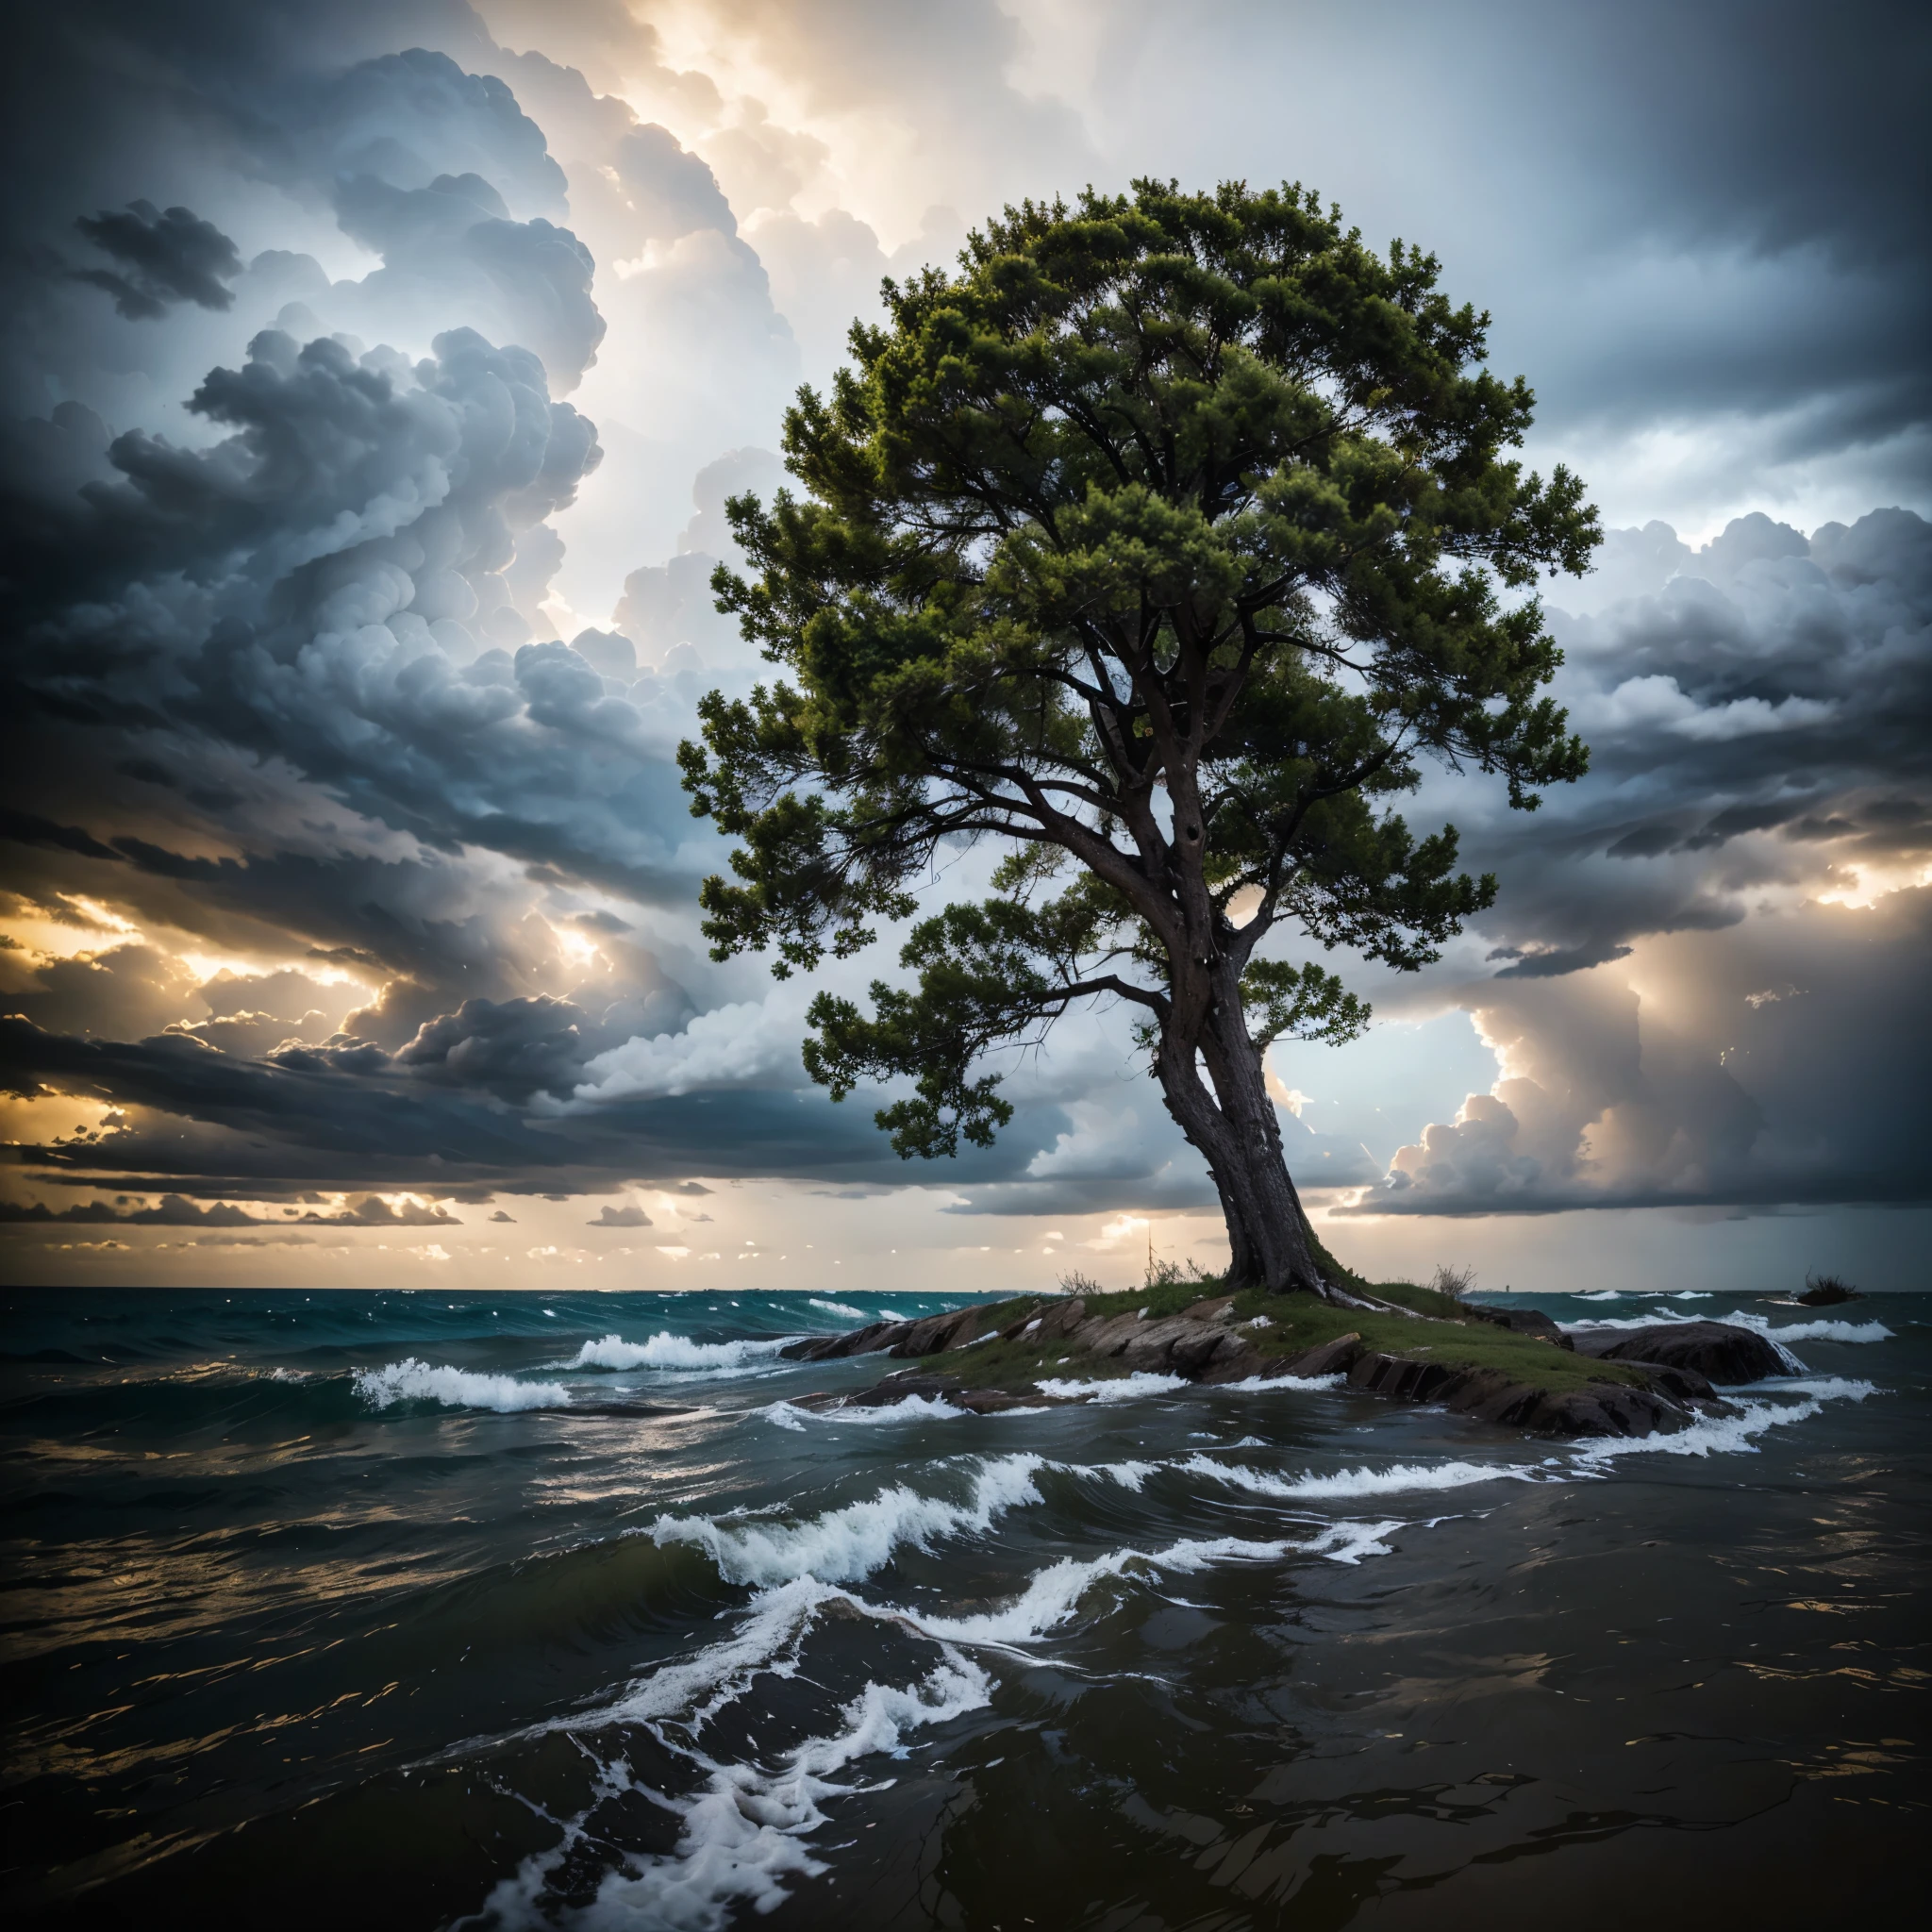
(373, 376)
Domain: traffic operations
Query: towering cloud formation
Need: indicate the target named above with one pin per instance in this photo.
(1710, 991)
(372, 381)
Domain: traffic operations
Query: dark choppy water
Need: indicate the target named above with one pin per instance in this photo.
(414, 1610)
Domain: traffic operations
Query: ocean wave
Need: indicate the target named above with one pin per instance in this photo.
(907, 1408)
(811, 1301)
(1813, 1331)
(410, 1380)
(1745, 1317)
(776, 1621)
(1362, 1482)
(742, 1832)
(665, 1350)
(1297, 1385)
(844, 1544)
(1120, 1389)
(1734, 1435)
(1053, 1594)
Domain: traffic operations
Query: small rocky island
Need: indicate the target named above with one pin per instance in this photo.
(1511, 1366)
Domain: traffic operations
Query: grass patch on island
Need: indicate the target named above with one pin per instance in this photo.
(1294, 1324)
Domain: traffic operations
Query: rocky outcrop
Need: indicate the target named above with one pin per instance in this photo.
(1207, 1343)
(1519, 1322)
(1335, 1358)
(1711, 1351)
(943, 1388)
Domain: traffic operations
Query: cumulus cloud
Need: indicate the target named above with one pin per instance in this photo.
(626, 1216)
(1713, 941)
(344, 853)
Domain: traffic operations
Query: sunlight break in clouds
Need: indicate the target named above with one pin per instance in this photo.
(371, 399)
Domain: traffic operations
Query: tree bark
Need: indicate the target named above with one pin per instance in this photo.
(1235, 1130)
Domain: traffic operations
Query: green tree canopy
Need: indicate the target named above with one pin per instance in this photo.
(1159, 543)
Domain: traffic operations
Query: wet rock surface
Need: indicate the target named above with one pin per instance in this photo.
(1711, 1351)
(1209, 1343)
(1520, 1322)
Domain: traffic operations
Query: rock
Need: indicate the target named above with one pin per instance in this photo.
(1215, 1308)
(927, 1335)
(1062, 1319)
(890, 1389)
(1680, 1361)
(824, 1348)
(1398, 1375)
(1520, 1322)
(1715, 1350)
(1328, 1357)
(1148, 1348)
(1237, 1360)
(1602, 1408)
(1106, 1336)
(948, 1389)
(1688, 1386)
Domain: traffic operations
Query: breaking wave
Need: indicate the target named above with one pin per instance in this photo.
(1119, 1389)
(1741, 1318)
(665, 1350)
(844, 1544)
(1404, 1476)
(410, 1380)
(1733, 1434)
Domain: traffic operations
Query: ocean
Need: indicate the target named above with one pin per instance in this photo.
(375, 1610)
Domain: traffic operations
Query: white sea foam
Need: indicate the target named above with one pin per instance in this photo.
(1745, 1317)
(1299, 1385)
(907, 1408)
(1734, 1435)
(410, 1380)
(1360, 1482)
(844, 1544)
(665, 1350)
(1813, 1331)
(744, 1831)
(1052, 1594)
(1121, 1389)
(811, 1301)
(696, 1687)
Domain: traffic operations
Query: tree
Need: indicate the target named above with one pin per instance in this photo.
(1159, 542)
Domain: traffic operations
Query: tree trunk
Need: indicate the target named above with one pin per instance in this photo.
(1235, 1130)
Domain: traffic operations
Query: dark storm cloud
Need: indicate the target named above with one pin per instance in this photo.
(198, 1121)
(1767, 693)
(285, 687)
(328, 586)
(1713, 221)
(1760, 720)
(164, 257)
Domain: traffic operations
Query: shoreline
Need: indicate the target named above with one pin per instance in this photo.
(1515, 1368)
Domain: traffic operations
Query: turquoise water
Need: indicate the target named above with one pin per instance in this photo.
(435, 1610)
